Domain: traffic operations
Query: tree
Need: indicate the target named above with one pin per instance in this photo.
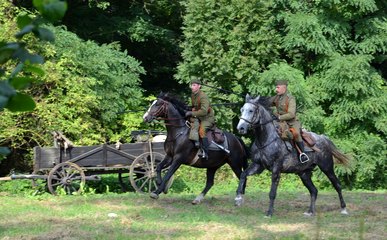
(332, 52)
(148, 30)
(341, 48)
(84, 90)
(14, 79)
(227, 43)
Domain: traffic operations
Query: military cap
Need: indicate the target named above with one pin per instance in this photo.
(196, 80)
(281, 82)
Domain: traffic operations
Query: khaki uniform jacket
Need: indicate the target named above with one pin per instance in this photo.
(285, 110)
(202, 109)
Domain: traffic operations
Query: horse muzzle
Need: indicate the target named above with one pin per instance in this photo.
(148, 118)
(242, 127)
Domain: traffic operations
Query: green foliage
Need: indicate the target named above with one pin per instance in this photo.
(112, 75)
(355, 94)
(85, 92)
(19, 65)
(226, 43)
(370, 165)
(331, 52)
(148, 30)
(16, 187)
(16, 53)
(229, 43)
(85, 89)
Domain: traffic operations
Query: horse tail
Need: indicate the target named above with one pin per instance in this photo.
(337, 154)
(247, 152)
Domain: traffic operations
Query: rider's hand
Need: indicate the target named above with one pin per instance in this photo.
(188, 114)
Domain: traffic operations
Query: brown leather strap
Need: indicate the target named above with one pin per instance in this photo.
(286, 103)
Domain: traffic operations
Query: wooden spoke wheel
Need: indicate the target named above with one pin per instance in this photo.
(142, 173)
(67, 177)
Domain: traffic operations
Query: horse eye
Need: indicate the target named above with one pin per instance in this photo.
(250, 111)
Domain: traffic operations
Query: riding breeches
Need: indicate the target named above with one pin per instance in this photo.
(199, 129)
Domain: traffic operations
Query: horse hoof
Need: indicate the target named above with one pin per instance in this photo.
(238, 201)
(267, 216)
(198, 199)
(308, 214)
(154, 195)
(344, 211)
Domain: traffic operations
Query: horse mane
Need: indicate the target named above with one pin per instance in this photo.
(179, 104)
(264, 101)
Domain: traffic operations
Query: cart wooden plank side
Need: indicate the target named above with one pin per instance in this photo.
(66, 167)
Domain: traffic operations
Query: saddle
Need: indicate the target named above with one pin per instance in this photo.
(216, 135)
(308, 138)
(288, 134)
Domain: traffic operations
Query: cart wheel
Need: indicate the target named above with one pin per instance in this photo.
(143, 174)
(67, 176)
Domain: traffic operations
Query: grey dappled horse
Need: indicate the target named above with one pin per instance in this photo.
(181, 150)
(270, 152)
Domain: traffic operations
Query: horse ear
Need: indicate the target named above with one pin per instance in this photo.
(247, 97)
(256, 99)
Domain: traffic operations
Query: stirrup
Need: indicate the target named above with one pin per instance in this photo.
(302, 155)
(202, 154)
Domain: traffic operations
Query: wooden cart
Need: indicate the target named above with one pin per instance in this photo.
(66, 167)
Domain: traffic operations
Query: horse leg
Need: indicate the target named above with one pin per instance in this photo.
(275, 178)
(174, 166)
(167, 161)
(306, 178)
(336, 184)
(209, 183)
(253, 168)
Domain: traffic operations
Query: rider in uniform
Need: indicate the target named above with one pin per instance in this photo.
(285, 110)
(202, 117)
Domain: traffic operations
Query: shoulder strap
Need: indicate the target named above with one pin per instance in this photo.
(276, 100)
(287, 103)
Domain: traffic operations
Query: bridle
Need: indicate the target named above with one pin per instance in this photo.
(162, 113)
(255, 120)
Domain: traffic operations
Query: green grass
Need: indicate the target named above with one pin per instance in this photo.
(172, 216)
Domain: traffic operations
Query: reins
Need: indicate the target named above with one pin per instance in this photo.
(255, 125)
(254, 117)
(164, 112)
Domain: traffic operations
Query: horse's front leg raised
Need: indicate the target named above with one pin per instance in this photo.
(275, 178)
(253, 168)
(172, 169)
(167, 161)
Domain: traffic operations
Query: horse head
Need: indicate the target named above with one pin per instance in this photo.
(164, 106)
(158, 108)
(249, 114)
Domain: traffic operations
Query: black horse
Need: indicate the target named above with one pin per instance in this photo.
(270, 152)
(181, 150)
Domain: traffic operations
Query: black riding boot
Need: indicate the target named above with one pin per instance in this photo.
(197, 144)
(203, 151)
(303, 157)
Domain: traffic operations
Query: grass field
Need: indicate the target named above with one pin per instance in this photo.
(172, 216)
